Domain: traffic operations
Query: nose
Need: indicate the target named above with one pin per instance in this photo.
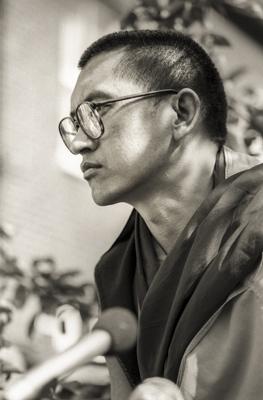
(82, 142)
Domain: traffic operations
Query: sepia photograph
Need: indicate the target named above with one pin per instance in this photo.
(131, 207)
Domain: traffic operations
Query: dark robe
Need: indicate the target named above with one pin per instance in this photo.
(220, 246)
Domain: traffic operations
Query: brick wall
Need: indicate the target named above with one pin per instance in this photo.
(51, 211)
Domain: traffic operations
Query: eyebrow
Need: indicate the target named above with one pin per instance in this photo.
(93, 97)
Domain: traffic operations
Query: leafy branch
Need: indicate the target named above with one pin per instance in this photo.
(53, 288)
(191, 17)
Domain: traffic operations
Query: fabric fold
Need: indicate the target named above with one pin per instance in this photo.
(219, 248)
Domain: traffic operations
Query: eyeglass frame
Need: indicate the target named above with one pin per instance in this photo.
(93, 106)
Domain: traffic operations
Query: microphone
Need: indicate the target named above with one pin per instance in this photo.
(114, 332)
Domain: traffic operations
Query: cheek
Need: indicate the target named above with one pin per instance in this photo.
(132, 141)
(135, 149)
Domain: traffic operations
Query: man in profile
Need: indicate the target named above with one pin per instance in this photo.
(148, 117)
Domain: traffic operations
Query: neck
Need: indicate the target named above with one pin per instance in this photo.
(168, 204)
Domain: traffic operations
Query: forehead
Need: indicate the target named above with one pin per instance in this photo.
(98, 77)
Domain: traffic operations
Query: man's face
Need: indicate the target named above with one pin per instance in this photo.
(129, 159)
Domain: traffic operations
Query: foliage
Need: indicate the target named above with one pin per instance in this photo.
(191, 17)
(52, 289)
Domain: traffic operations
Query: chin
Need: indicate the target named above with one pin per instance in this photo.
(106, 193)
(105, 199)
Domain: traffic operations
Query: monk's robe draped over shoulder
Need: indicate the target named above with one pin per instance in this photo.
(220, 246)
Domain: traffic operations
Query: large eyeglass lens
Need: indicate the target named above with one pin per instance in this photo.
(68, 132)
(89, 120)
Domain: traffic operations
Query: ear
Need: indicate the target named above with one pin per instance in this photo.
(186, 104)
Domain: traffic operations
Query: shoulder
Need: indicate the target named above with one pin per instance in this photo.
(237, 162)
(233, 336)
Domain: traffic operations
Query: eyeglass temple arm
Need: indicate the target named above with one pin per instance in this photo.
(133, 96)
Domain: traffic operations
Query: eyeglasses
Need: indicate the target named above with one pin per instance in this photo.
(89, 120)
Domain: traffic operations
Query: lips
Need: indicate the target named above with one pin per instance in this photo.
(87, 165)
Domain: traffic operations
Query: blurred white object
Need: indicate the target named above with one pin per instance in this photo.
(156, 389)
(92, 374)
(14, 357)
(65, 329)
(116, 331)
(45, 324)
(69, 327)
(35, 379)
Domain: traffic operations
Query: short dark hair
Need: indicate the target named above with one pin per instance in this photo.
(168, 60)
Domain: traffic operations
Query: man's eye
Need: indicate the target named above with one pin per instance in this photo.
(103, 109)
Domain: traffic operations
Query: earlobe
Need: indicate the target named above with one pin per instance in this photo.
(186, 105)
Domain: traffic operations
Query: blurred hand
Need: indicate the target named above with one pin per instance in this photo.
(69, 327)
(68, 331)
(91, 374)
(156, 389)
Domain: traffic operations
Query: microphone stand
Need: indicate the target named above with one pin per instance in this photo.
(86, 349)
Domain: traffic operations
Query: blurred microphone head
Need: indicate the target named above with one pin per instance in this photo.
(121, 324)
